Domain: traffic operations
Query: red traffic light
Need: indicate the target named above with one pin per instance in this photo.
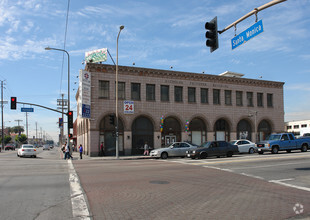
(70, 113)
(13, 102)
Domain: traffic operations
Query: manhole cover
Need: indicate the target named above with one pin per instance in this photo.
(159, 182)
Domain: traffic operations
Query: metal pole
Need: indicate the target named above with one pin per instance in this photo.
(27, 124)
(2, 132)
(116, 96)
(62, 117)
(267, 5)
(49, 48)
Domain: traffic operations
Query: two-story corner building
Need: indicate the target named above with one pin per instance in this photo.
(167, 106)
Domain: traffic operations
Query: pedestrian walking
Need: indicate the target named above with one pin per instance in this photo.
(101, 149)
(70, 152)
(67, 151)
(146, 149)
(81, 151)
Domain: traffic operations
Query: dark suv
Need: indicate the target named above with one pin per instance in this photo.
(213, 148)
(9, 147)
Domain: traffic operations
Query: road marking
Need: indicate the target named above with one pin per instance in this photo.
(249, 160)
(250, 175)
(281, 182)
(79, 205)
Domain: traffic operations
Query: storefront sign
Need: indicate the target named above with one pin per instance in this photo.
(129, 107)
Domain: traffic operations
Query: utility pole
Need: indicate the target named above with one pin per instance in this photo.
(27, 124)
(62, 103)
(36, 132)
(18, 121)
(2, 132)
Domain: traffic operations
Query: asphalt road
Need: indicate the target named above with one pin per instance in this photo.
(241, 187)
(34, 188)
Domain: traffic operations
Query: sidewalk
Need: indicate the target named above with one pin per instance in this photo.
(76, 156)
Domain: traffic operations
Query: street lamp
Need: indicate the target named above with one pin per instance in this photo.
(116, 94)
(49, 48)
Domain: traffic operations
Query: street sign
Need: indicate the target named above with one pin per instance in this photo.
(129, 107)
(85, 111)
(248, 34)
(26, 109)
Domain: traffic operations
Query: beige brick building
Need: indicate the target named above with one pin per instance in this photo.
(176, 106)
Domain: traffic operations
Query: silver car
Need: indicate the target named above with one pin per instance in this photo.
(245, 146)
(177, 149)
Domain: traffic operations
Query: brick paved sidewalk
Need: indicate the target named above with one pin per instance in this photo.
(152, 189)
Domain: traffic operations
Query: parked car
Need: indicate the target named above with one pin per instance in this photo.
(9, 147)
(283, 141)
(245, 146)
(46, 147)
(177, 149)
(213, 148)
(27, 150)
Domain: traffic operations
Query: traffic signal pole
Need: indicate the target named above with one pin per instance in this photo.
(267, 5)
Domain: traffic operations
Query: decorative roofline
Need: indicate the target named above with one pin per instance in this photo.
(138, 71)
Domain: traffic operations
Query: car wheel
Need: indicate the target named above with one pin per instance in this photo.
(288, 151)
(260, 152)
(275, 150)
(229, 154)
(251, 150)
(34, 156)
(17, 155)
(304, 148)
(203, 155)
(164, 155)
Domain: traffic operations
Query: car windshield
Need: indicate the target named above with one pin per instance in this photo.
(274, 137)
(206, 144)
(232, 142)
(28, 146)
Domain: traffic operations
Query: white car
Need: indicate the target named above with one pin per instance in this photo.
(245, 146)
(46, 147)
(27, 150)
(177, 149)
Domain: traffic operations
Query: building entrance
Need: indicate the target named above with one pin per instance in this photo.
(142, 132)
(169, 139)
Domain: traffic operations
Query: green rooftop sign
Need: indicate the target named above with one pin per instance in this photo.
(96, 56)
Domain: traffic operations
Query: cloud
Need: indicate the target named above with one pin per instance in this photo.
(299, 87)
(10, 49)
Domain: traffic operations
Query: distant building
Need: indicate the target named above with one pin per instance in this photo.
(166, 106)
(299, 128)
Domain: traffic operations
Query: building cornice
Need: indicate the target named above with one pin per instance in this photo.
(169, 74)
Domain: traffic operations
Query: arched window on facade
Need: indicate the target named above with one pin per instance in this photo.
(222, 130)
(244, 130)
(198, 131)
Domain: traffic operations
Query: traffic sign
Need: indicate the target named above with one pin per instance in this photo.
(26, 109)
(248, 34)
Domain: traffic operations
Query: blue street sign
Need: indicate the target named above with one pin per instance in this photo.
(85, 111)
(248, 34)
(26, 109)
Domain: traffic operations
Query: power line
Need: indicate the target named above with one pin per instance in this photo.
(63, 55)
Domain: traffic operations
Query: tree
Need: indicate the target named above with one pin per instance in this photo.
(7, 139)
(17, 129)
(21, 138)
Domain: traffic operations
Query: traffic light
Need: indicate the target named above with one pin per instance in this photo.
(60, 122)
(112, 119)
(70, 119)
(70, 135)
(212, 35)
(13, 102)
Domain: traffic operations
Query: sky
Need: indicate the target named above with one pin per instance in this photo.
(157, 34)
